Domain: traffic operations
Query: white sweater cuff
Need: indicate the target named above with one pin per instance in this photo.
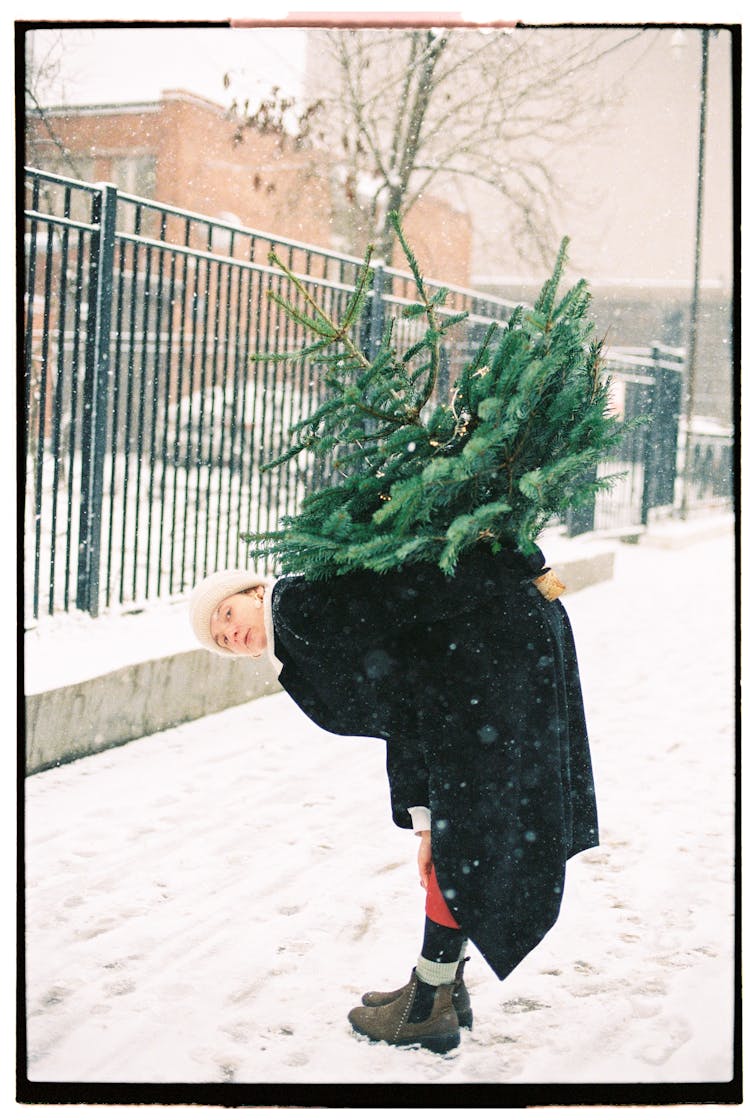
(268, 619)
(420, 818)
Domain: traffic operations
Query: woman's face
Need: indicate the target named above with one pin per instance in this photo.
(238, 623)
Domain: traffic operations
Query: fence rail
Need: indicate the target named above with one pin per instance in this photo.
(147, 421)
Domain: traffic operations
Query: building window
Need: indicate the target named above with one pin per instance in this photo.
(135, 175)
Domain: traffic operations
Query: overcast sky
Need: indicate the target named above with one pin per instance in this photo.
(647, 165)
(137, 64)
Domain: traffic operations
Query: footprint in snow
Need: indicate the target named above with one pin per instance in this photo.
(238, 1032)
(597, 987)
(97, 931)
(515, 1006)
(651, 988)
(644, 1006)
(55, 995)
(672, 1035)
(120, 987)
(252, 989)
(296, 948)
(359, 931)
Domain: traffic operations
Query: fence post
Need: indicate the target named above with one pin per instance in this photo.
(374, 318)
(660, 450)
(95, 398)
(652, 436)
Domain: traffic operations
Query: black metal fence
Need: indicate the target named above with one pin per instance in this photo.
(147, 422)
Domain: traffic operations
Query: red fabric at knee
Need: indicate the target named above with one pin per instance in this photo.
(436, 906)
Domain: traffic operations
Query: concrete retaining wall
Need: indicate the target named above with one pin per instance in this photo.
(91, 716)
(81, 719)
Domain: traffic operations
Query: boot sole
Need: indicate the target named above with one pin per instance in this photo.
(436, 1044)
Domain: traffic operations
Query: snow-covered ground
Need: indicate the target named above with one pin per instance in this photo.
(206, 905)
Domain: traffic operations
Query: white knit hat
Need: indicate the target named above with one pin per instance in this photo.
(209, 593)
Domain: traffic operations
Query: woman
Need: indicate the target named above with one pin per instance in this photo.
(472, 680)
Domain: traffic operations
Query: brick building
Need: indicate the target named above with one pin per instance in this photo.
(183, 151)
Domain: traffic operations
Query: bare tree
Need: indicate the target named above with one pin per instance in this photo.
(43, 64)
(410, 111)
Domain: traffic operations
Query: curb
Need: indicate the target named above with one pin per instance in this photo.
(680, 534)
(585, 571)
(77, 720)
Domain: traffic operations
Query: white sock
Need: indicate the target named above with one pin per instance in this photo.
(432, 972)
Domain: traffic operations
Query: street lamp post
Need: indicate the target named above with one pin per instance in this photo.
(695, 301)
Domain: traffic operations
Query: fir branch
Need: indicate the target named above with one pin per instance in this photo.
(527, 420)
(339, 334)
(429, 308)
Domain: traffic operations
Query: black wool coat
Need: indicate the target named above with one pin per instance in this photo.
(473, 682)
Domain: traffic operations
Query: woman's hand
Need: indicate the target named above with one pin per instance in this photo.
(424, 858)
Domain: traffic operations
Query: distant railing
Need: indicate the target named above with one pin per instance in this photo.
(706, 480)
(645, 384)
(146, 419)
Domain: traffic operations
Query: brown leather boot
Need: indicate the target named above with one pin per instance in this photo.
(389, 1021)
(461, 999)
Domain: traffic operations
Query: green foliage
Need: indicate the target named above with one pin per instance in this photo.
(519, 442)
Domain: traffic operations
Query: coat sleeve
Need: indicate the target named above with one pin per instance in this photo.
(408, 777)
(342, 646)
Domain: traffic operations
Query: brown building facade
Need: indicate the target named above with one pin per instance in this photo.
(184, 151)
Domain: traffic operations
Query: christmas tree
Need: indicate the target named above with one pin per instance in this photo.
(418, 480)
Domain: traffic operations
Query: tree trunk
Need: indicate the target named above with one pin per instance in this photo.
(403, 156)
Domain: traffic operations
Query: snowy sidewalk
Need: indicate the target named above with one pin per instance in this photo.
(206, 905)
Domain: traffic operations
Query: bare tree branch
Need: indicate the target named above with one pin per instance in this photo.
(406, 110)
(472, 106)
